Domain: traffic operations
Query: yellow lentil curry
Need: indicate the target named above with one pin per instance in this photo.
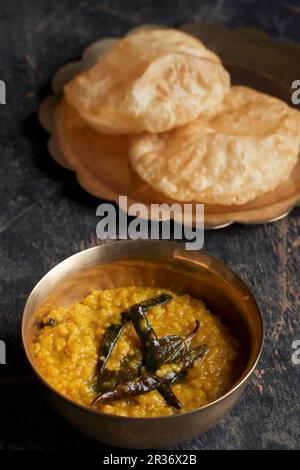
(66, 350)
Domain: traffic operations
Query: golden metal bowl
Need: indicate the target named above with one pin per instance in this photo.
(148, 263)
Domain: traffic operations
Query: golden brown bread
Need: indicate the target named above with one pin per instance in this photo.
(244, 151)
(152, 80)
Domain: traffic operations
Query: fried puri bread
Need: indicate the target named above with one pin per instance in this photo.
(244, 151)
(153, 80)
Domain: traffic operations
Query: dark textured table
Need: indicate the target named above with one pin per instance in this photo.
(45, 216)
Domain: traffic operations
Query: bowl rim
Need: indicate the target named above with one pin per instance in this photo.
(238, 384)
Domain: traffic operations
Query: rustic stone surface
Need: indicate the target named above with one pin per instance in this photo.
(45, 217)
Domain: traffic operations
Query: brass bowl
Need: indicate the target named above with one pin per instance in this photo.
(148, 263)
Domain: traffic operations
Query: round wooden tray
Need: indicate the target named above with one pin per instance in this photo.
(101, 162)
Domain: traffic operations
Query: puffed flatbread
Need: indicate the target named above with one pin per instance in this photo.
(153, 80)
(242, 152)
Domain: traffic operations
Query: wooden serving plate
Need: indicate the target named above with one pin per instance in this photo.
(101, 162)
